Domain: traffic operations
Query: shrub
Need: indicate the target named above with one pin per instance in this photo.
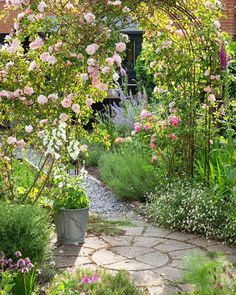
(183, 205)
(128, 173)
(86, 281)
(24, 228)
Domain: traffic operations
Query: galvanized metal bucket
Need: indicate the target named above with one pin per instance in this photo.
(71, 225)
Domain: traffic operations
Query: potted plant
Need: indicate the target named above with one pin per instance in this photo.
(71, 207)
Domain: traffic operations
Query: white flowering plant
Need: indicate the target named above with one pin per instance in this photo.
(67, 192)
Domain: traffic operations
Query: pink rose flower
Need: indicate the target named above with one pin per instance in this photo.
(63, 117)
(207, 89)
(174, 121)
(66, 103)
(117, 59)
(28, 128)
(21, 143)
(173, 137)
(154, 159)
(69, 6)
(144, 114)
(89, 17)
(53, 97)
(211, 98)
(43, 121)
(89, 102)
(11, 140)
(42, 99)
(41, 134)
(41, 6)
(120, 47)
(76, 108)
(110, 61)
(91, 49)
(32, 66)
(148, 127)
(137, 127)
(37, 43)
(28, 90)
(152, 145)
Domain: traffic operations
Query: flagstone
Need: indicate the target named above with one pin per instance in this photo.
(155, 259)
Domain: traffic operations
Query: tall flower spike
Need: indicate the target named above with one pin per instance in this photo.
(223, 57)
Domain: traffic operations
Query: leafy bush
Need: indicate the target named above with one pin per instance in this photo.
(183, 205)
(210, 276)
(86, 282)
(128, 173)
(24, 228)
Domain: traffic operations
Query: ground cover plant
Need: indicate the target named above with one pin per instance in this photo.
(99, 283)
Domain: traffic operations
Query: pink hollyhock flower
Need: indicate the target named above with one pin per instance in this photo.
(66, 103)
(42, 99)
(63, 117)
(137, 127)
(173, 137)
(207, 89)
(144, 114)
(89, 17)
(21, 143)
(28, 90)
(41, 6)
(211, 98)
(174, 121)
(152, 145)
(89, 102)
(11, 140)
(28, 128)
(91, 49)
(76, 108)
(120, 47)
(117, 59)
(37, 43)
(154, 159)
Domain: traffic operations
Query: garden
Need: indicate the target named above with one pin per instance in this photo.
(136, 198)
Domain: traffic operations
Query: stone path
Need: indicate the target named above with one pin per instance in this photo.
(153, 256)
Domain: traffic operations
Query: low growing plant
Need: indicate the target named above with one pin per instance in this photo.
(184, 205)
(88, 282)
(25, 228)
(128, 173)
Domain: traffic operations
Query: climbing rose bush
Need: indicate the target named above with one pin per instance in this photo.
(59, 61)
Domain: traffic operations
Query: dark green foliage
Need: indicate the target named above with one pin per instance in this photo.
(25, 229)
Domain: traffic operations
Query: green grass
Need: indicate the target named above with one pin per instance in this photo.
(99, 226)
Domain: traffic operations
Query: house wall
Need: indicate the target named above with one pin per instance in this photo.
(228, 24)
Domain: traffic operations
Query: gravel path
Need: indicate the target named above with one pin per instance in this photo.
(103, 200)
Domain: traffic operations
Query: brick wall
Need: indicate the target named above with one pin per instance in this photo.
(228, 24)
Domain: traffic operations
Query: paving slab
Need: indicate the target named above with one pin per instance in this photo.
(105, 257)
(132, 251)
(163, 290)
(173, 245)
(147, 278)
(155, 259)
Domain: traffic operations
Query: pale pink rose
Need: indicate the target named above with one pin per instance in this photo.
(20, 16)
(207, 73)
(101, 86)
(144, 114)
(69, 6)
(41, 6)
(117, 59)
(42, 99)
(211, 98)
(89, 17)
(115, 77)
(28, 11)
(11, 140)
(154, 159)
(32, 66)
(152, 145)
(53, 97)
(63, 117)
(166, 44)
(137, 127)
(66, 103)
(17, 93)
(37, 43)
(21, 143)
(22, 98)
(84, 77)
(28, 90)
(110, 61)
(173, 137)
(212, 77)
(84, 148)
(106, 70)
(76, 108)
(217, 77)
(148, 127)
(217, 24)
(174, 121)
(46, 57)
(41, 134)
(91, 49)
(29, 102)
(43, 121)
(89, 102)
(207, 89)
(91, 62)
(28, 128)
(120, 47)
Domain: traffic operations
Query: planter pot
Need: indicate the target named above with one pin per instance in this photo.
(71, 225)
